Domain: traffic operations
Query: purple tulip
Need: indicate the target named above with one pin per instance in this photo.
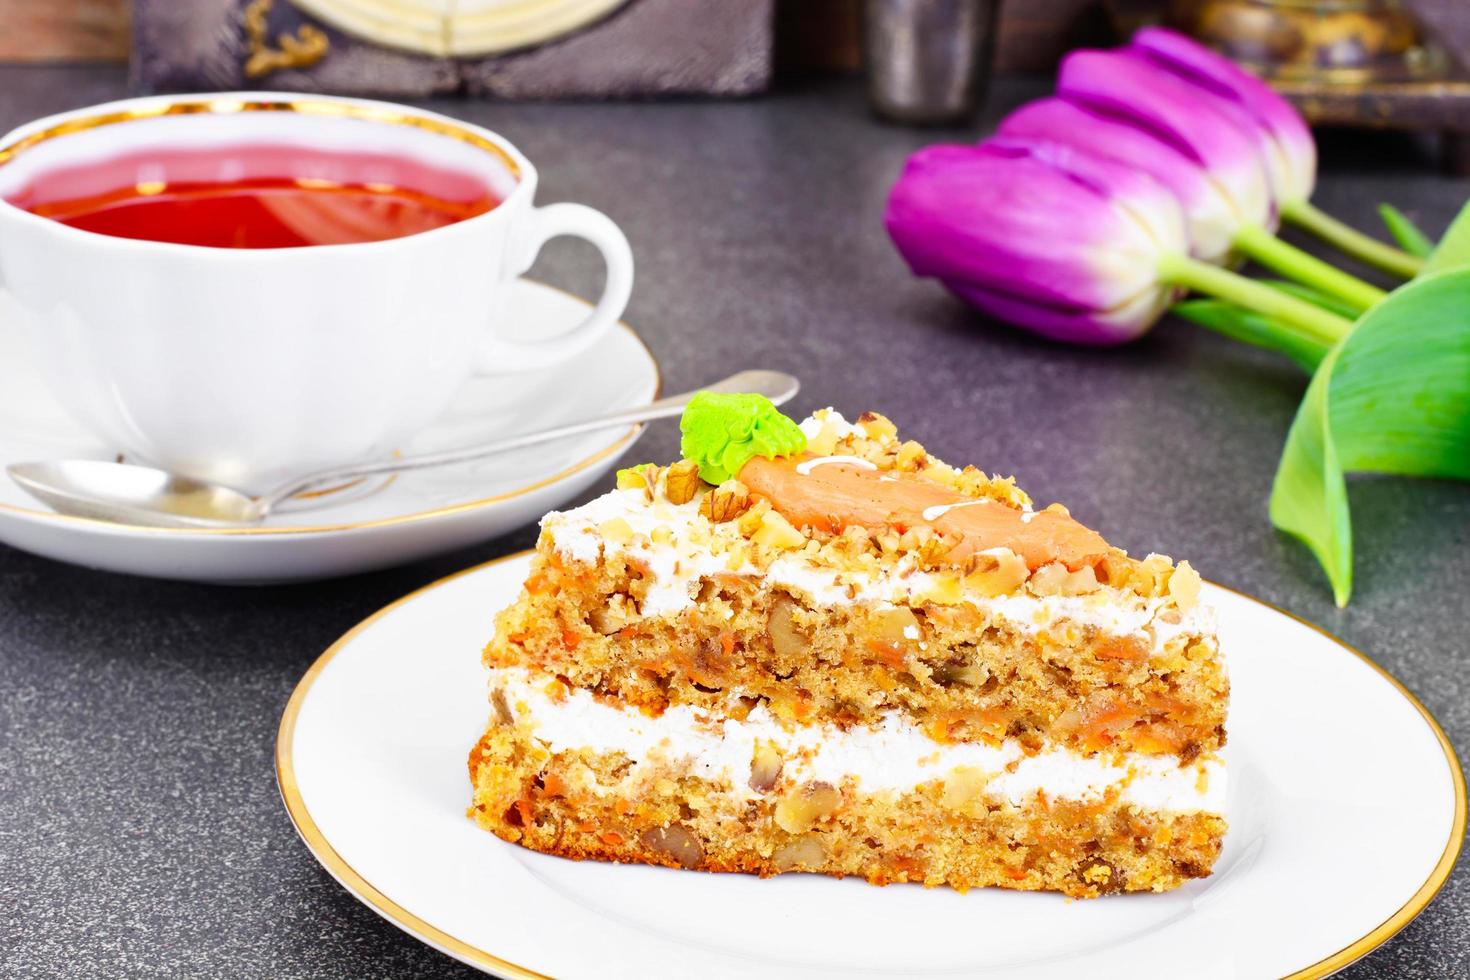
(1064, 243)
(1061, 242)
(1129, 88)
(1293, 154)
(1211, 218)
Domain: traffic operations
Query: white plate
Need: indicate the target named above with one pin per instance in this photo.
(361, 527)
(1346, 806)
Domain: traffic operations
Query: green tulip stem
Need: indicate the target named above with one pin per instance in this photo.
(1292, 262)
(1313, 321)
(1348, 239)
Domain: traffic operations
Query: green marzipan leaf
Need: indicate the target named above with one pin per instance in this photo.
(1253, 328)
(1405, 232)
(1392, 397)
(1316, 297)
(1453, 249)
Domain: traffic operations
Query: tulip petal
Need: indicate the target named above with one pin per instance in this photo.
(1101, 328)
(1005, 220)
(1210, 218)
(1213, 71)
(1118, 84)
(1147, 200)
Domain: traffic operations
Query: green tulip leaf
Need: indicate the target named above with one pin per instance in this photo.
(1253, 328)
(1405, 232)
(1392, 397)
(1453, 250)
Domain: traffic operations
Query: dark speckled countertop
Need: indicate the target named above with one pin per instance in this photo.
(142, 831)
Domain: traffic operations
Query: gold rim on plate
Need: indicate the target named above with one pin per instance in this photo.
(348, 877)
(617, 446)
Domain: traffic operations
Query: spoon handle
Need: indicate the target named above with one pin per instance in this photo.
(777, 386)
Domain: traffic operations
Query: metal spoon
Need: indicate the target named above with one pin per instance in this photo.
(126, 493)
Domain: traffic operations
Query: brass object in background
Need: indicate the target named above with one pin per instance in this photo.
(1342, 41)
(300, 50)
(1366, 63)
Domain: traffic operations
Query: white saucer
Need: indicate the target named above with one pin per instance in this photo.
(355, 528)
(1346, 809)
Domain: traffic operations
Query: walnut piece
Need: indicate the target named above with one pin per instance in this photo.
(897, 627)
(725, 502)
(804, 852)
(682, 482)
(1184, 586)
(798, 811)
(963, 674)
(876, 426)
(996, 572)
(503, 716)
(963, 787)
(776, 532)
(617, 613)
(765, 767)
(786, 640)
(643, 478)
(616, 530)
(675, 841)
(1055, 579)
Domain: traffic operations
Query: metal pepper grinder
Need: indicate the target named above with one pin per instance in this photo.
(927, 60)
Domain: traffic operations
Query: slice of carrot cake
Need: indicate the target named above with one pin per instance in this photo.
(819, 648)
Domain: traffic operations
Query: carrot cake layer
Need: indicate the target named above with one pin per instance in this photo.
(828, 613)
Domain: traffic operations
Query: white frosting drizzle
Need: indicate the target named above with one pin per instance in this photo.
(894, 756)
(939, 510)
(806, 466)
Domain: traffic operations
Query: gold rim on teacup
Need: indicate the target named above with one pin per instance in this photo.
(365, 111)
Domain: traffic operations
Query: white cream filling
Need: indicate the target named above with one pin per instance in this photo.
(895, 756)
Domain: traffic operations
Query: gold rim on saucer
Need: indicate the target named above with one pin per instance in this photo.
(363, 890)
(619, 444)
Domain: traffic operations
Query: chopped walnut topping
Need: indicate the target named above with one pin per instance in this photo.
(616, 530)
(1184, 586)
(776, 532)
(877, 426)
(1055, 579)
(650, 474)
(911, 456)
(996, 572)
(682, 482)
(725, 502)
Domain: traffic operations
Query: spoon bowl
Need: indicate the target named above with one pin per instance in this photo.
(132, 494)
(129, 493)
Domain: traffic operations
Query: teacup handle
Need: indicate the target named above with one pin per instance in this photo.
(500, 356)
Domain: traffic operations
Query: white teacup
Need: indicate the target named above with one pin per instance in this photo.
(252, 365)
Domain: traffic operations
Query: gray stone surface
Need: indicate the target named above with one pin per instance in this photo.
(142, 832)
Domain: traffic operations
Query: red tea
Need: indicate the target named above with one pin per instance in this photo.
(257, 197)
